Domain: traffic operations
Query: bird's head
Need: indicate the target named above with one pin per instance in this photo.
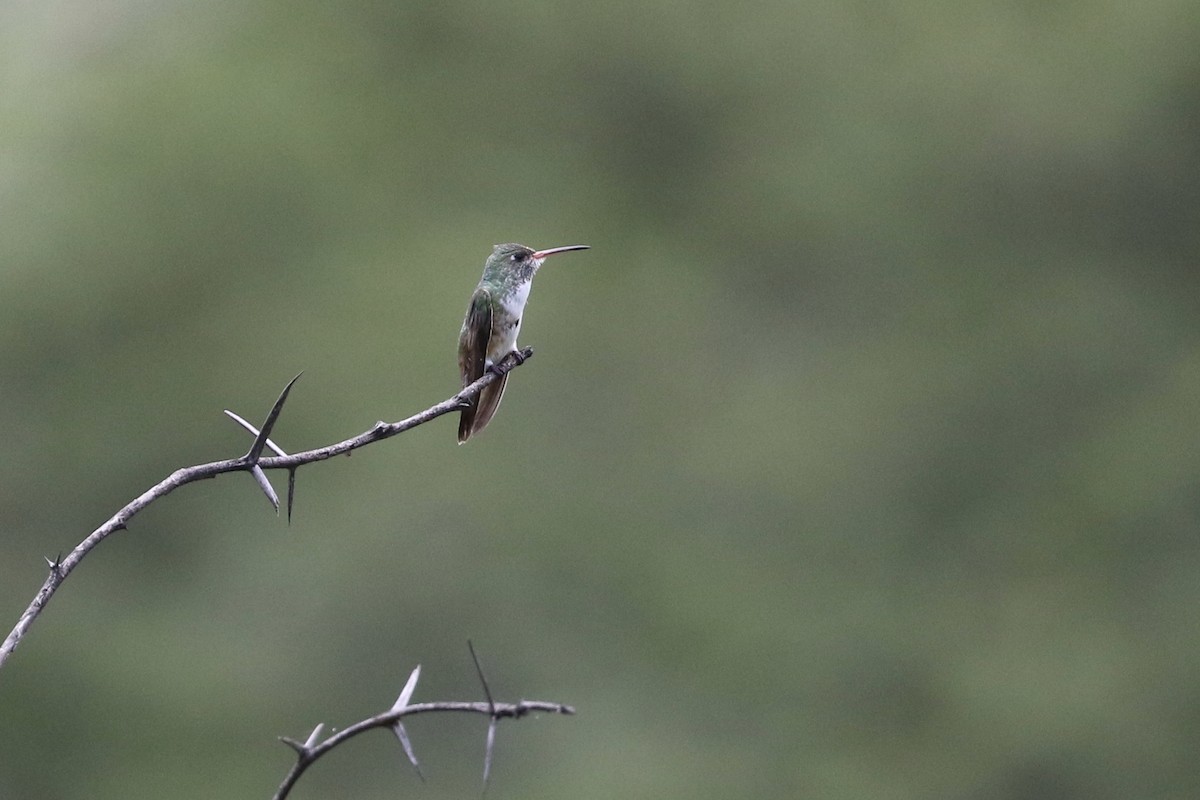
(522, 260)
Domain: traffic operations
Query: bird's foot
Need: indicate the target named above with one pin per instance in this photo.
(515, 355)
(504, 365)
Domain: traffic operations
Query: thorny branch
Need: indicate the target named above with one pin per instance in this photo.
(253, 462)
(313, 748)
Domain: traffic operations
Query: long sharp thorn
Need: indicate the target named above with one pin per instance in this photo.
(260, 441)
(487, 757)
(279, 451)
(402, 735)
(265, 485)
(491, 735)
(479, 670)
(291, 491)
(312, 737)
(406, 693)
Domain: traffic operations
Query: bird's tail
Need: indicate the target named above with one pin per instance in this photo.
(476, 417)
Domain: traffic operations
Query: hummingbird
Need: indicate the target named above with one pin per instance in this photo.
(489, 332)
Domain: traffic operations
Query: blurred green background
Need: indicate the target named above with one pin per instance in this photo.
(859, 456)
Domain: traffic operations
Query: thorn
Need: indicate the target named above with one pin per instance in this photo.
(266, 486)
(312, 737)
(487, 758)
(55, 563)
(300, 749)
(406, 693)
(402, 735)
(479, 670)
(279, 451)
(260, 440)
(291, 490)
(491, 734)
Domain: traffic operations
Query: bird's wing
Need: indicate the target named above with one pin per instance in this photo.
(473, 339)
(472, 358)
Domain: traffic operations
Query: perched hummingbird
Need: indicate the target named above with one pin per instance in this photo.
(489, 332)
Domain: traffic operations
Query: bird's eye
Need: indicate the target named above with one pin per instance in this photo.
(518, 257)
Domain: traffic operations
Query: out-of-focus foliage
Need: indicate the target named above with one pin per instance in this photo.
(859, 458)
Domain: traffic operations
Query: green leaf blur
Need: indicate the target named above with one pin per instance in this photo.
(858, 459)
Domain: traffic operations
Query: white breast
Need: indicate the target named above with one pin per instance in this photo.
(514, 301)
(504, 336)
